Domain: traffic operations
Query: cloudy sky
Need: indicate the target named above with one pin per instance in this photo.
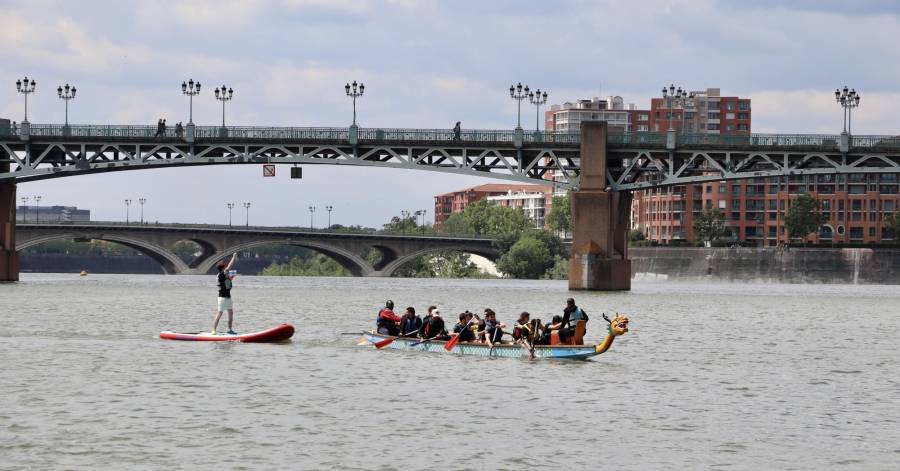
(425, 64)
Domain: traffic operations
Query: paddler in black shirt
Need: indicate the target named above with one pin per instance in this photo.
(224, 284)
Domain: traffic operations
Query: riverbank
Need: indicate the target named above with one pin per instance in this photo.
(795, 265)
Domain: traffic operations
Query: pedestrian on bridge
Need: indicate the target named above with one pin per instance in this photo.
(456, 131)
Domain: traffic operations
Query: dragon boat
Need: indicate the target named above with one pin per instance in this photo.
(617, 326)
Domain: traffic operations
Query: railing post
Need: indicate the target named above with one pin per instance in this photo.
(671, 139)
(354, 135)
(189, 130)
(24, 130)
(845, 142)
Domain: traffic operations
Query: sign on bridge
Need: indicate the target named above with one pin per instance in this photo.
(269, 170)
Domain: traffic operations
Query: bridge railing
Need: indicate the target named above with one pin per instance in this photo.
(828, 142)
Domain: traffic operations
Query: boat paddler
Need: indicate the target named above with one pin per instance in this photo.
(224, 283)
(388, 323)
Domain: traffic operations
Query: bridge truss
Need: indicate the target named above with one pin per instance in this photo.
(635, 161)
(56, 151)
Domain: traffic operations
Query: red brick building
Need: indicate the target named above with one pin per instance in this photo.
(515, 195)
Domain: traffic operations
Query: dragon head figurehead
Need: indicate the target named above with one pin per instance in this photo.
(617, 325)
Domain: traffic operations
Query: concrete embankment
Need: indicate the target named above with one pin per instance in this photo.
(137, 264)
(795, 265)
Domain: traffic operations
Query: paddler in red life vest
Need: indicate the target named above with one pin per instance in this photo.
(388, 323)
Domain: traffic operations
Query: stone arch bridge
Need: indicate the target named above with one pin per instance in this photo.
(216, 243)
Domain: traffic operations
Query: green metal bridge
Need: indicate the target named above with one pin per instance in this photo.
(634, 160)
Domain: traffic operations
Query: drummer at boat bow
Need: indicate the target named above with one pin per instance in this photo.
(388, 323)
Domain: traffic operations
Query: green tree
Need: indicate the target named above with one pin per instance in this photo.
(485, 218)
(709, 225)
(803, 217)
(402, 225)
(560, 217)
(528, 258)
(318, 265)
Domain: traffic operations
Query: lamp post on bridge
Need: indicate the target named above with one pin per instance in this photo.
(25, 208)
(247, 208)
(312, 209)
(66, 93)
(142, 201)
(848, 99)
(329, 208)
(25, 87)
(675, 98)
(188, 89)
(518, 93)
(537, 98)
(37, 209)
(127, 208)
(354, 92)
(223, 95)
(230, 206)
(422, 212)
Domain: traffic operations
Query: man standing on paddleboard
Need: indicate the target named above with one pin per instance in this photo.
(224, 283)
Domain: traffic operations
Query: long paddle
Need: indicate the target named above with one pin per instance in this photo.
(384, 343)
(452, 342)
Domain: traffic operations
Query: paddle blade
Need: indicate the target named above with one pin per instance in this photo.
(383, 343)
(362, 341)
(452, 343)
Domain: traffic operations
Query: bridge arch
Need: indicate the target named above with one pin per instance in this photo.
(352, 262)
(168, 260)
(391, 267)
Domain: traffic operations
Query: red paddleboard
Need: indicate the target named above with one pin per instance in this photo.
(275, 334)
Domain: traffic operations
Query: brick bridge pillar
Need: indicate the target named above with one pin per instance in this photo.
(600, 221)
(9, 258)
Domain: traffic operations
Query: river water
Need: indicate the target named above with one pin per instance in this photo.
(730, 376)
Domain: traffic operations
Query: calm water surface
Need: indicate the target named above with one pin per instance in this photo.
(730, 376)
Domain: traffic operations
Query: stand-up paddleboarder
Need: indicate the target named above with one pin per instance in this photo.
(224, 283)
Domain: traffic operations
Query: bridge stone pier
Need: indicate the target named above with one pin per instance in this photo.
(217, 243)
(600, 221)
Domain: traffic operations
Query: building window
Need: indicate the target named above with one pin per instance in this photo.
(721, 204)
(709, 188)
(856, 233)
(712, 115)
(743, 127)
(722, 189)
(729, 106)
(643, 117)
(736, 189)
(744, 105)
(729, 127)
(729, 115)
(712, 127)
(743, 115)
(735, 205)
(713, 105)
(689, 115)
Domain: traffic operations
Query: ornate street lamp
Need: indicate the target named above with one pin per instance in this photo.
(25, 87)
(518, 93)
(66, 93)
(354, 92)
(142, 201)
(127, 215)
(230, 206)
(223, 95)
(37, 209)
(537, 98)
(25, 208)
(188, 88)
(247, 207)
(329, 208)
(848, 99)
(312, 209)
(673, 98)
